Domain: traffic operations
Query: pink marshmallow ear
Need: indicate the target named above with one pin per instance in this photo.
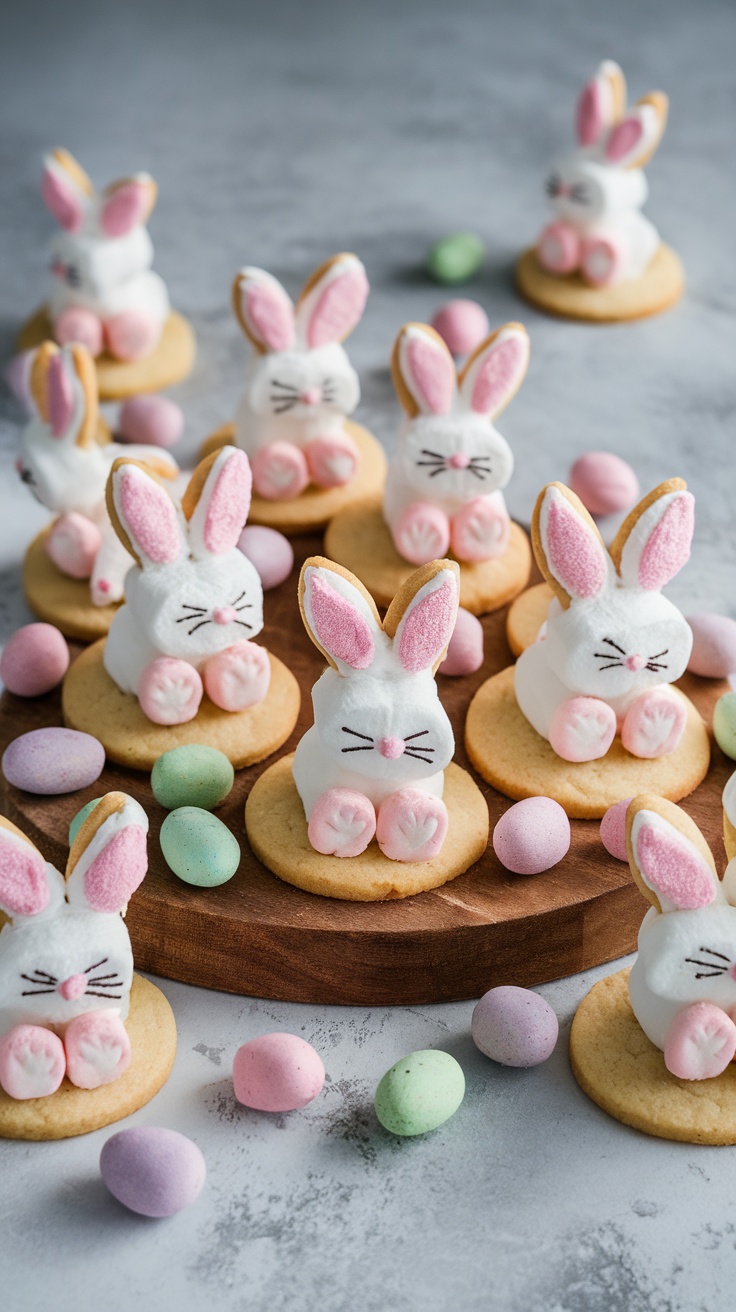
(592, 116)
(59, 394)
(264, 311)
(427, 624)
(634, 140)
(569, 549)
(111, 879)
(62, 193)
(144, 515)
(24, 888)
(654, 546)
(670, 865)
(334, 303)
(335, 615)
(625, 139)
(127, 204)
(423, 371)
(496, 370)
(218, 508)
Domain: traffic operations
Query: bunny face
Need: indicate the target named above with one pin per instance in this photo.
(84, 265)
(61, 462)
(293, 386)
(583, 190)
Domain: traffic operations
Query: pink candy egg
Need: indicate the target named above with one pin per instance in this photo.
(462, 325)
(613, 829)
(604, 482)
(514, 1026)
(465, 650)
(152, 420)
(532, 836)
(277, 1073)
(270, 552)
(152, 1170)
(714, 646)
(34, 660)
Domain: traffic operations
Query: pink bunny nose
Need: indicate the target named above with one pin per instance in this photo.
(459, 461)
(635, 662)
(224, 614)
(311, 396)
(72, 988)
(392, 748)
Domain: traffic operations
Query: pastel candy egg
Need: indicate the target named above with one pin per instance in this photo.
(192, 775)
(152, 1170)
(613, 829)
(514, 1026)
(277, 1073)
(53, 760)
(462, 325)
(270, 552)
(34, 660)
(724, 724)
(420, 1092)
(532, 836)
(455, 258)
(714, 646)
(465, 649)
(80, 817)
(198, 847)
(604, 482)
(152, 420)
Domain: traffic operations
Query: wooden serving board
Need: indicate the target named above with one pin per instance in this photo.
(256, 935)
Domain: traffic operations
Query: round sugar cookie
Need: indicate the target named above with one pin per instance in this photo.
(92, 702)
(618, 1067)
(168, 364)
(526, 616)
(360, 540)
(277, 832)
(515, 759)
(315, 506)
(570, 297)
(62, 601)
(152, 1032)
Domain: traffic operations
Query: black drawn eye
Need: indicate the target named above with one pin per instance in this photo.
(27, 477)
(73, 276)
(579, 193)
(552, 185)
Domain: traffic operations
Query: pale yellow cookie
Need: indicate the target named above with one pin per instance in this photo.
(618, 1067)
(92, 703)
(316, 506)
(152, 1031)
(168, 364)
(277, 832)
(515, 759)
(360, 540)
(62, 601)
(526, 616)
(570, 297)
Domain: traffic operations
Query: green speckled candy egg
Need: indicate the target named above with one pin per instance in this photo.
(198, 847)
(724, 724)
(455, 258)
(80, 818)
(420, 1092)
(192, 776)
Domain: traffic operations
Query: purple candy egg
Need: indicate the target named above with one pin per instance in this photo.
(514, 1026)
(152, 1170)
(532, 836)
(151, 420)
(53, 760)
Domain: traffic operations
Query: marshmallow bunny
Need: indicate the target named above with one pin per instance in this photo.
(612, 642)
(373, 762)
(443, 487)
(683, 983)
(66, 964)
(104, 292)
(300, 383)
(597, 191)
(194, 601)
(66, 468)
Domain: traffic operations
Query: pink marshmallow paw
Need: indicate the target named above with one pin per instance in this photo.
(558, 248)
(654, 724)
(601, 261)
(422, 533)
(75, 324)
(238, 677)
(342, 823)
(279, 471)
(701, 1042)
(411, 825)
(332, 461)
(582, 729)
(97, 1049)
(32, 1062)
(170, 691)
(479, 531)
(132, 335)
(72, 544)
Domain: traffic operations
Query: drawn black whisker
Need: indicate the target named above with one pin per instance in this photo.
(187, 605)
(243, 624)
(611, 643)
(713, 953)
(34, 993)
(421, 734)
(288, 387)
(238, 598)
(49, 978)
(479, 473)
(430, 464)
(102, 984)
(416, 756)
(653, 666)
(367, 748)
(355, 733)
(91, 994)
(97, 963)
(435, 454)
(247, 605)
(435, 472)
(657, 654)
(281, 409)
(710, 965)
(711, 975)
(197, 626)
(113, 974)
(614, 665)
(606, 656)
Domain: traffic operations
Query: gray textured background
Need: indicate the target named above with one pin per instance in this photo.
(279, 133)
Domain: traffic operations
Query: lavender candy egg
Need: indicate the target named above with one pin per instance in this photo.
(34, 660)
(151, 420)
(613, 829)
(53, 760)
(152, 1171)
(270, 552)
(462, 325)
(465, 649)
(532, 836)
(514, 1026)
(604, 482)
(714, 646)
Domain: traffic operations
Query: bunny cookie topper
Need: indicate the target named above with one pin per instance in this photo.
(373, 762)
(194, 602)
(66, 466)
(444, 484)
(612, 643)
(66, 964)
(300, 384)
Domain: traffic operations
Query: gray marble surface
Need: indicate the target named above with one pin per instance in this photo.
(279, 133)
